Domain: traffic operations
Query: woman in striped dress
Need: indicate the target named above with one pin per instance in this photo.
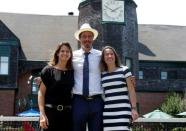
(120, 96)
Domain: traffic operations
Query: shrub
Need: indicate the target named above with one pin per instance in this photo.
(179, 129)
(183, 104)
(172, 104)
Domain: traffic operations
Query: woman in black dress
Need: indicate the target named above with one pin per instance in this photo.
(54, 96)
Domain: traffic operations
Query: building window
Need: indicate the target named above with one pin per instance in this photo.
(140, 74)
(128, 62)
(164, 75)
(33, 84)
(4, 64)
(34, 87)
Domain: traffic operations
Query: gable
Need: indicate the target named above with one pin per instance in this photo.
(6, 33)
(40, 34)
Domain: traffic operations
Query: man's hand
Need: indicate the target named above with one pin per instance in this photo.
(38, 80)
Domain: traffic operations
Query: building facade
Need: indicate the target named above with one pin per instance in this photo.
(27, 41)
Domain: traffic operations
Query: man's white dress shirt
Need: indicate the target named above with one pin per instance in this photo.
(94, 72)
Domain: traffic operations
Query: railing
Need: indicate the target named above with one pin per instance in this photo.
(151, 124)
(11, 123)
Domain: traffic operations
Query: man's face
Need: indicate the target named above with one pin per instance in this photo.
(86, 40)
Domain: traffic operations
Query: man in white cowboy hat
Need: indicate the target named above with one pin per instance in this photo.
(87, 108)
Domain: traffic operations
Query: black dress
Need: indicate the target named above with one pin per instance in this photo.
(59, 85)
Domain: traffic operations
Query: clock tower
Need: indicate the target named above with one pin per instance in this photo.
(116, 22)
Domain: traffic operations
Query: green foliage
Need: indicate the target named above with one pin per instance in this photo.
(179, 129)
(20, 129)
(172, 104)
(183, 105)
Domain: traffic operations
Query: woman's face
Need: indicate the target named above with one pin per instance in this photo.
(64, 53)
(109, 57)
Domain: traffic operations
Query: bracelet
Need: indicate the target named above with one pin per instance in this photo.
(133, 108)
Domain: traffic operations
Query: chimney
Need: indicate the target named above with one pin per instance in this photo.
(70, 13)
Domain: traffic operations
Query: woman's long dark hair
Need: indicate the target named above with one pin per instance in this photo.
(103, 65)
(54, 59)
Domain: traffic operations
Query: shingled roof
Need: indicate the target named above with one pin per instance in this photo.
(40, 34)
(162, 42)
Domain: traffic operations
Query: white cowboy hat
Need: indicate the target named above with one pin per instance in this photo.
(86, 27)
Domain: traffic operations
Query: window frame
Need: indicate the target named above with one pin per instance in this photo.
(140, 75)
(130, 61)
(7, 63)
(164, 75)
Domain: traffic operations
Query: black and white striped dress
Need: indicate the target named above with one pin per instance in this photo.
(117, 108)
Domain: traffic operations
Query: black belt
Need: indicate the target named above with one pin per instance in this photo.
(93, 97)
(58, 107)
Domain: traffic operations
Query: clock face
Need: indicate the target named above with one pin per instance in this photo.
(113, 10)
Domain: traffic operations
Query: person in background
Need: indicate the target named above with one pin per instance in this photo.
(54, 95)
(120, 97)
(87, 104)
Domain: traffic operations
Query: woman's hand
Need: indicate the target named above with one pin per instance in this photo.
(134, 115)
(43, 121)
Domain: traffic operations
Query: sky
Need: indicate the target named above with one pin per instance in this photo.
(164, 12)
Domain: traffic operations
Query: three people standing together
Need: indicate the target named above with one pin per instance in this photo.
(90, 85)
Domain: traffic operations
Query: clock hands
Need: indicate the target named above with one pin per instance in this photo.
(112, 10)
(116, 8)
(108, 8)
